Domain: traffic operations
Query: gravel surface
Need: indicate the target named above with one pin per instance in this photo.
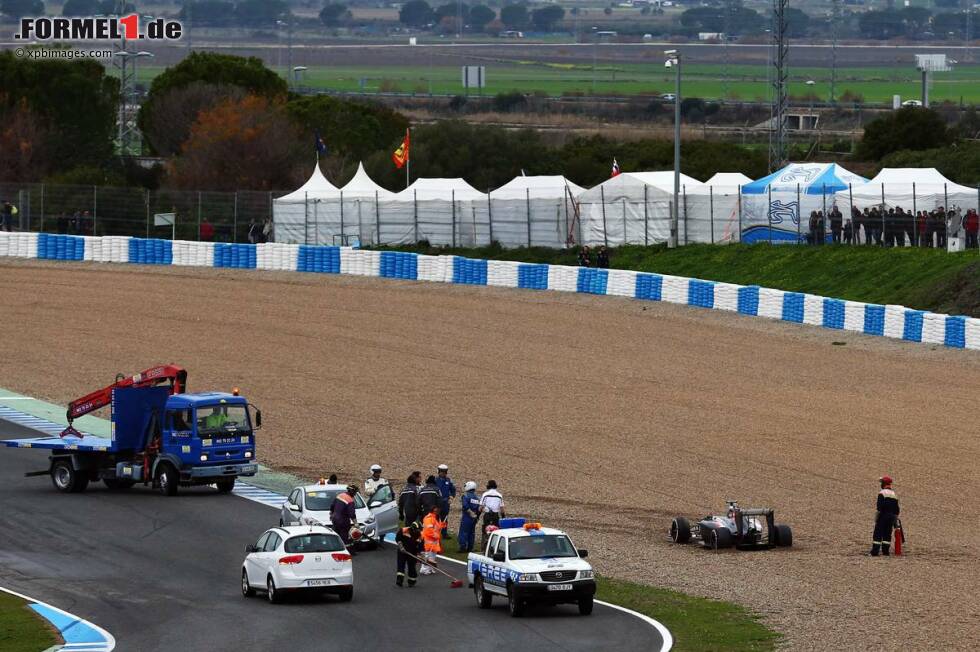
(602, 415)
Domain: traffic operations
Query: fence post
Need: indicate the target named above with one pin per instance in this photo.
(95, 210)
(527, 193)
(823, 222)
(626, 239)
(602, 198)
(415, 204)
(453, 196)
(685, 212)
(342, 243)
(799, 215)
(882, 225)
(769, 210)
(316, 222)
(306, 217)
(646, 219)
(42, 212)
(854, 227)
(740, 213)
(915, 218)
(711, 211)
(377, 219)
(198, 215)
(146, 202)
(234, 219)
(489, 219)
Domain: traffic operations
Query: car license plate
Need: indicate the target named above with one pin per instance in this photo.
(559, 587)
(319, 582)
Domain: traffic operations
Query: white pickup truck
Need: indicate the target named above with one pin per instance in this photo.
(528, 563)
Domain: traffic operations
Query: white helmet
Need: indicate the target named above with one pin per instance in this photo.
(375, 467)
(442, 467)
(469, 486)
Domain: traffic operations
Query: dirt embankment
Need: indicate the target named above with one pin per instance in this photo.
(602, 415)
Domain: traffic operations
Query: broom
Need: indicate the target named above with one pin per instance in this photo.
(455, 584)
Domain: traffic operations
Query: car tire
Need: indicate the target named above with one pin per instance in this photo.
(225, 486)
(167, 480)
(346, 595)
(271, 592)
(680, 530)
(720, 538)
(585, 606)
(247, 590)
(117, 484)
(66, 478)
(515, 606)
(484, 599)
(782, 535)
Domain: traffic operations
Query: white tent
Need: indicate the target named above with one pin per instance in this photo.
(444, 189)
(632, 208)
(362, 186)
(538, 187)
(728, 180)
(530, 211)
(438, 210)
(290, 212)
(913, 189)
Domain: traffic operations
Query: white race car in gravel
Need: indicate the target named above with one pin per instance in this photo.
(295, 559)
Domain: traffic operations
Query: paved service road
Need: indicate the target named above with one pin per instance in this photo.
(163, 574)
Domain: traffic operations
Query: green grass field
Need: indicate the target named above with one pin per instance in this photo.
(926, 279)
(22, 630)
(710, 81)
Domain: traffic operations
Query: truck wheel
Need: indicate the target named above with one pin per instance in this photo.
(66, 479)
(680, 530)
(117, 484)
(346, 595)
(514, 604)
(225, 486)
(585, 606)
(271, 591)
(783, 536)
(484, 599)
(720, 538)
(247, 590)
(167, 480)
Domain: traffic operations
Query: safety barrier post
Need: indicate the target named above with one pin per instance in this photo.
(527, 193)
(234, 219)
(602, 198)
(377, 219)
(799, 215)
(453, 198)
(711, 211)
(646, 219)
(415, 203)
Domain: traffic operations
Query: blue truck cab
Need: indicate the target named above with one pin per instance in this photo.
(159, 438)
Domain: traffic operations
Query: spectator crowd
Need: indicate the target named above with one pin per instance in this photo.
(895, 227)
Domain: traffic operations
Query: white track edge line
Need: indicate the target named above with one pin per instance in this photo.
(110, 640)
(660, 627)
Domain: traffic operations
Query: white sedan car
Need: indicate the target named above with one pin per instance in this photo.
(310, 505)
(298, 559)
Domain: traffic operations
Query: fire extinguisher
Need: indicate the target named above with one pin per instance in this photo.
(899, 537)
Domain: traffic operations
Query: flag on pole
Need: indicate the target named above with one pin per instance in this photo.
(615, 169)
(400, 155)
(321, 147)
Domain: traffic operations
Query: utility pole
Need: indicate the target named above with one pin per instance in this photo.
(780, 50)
(835, 15)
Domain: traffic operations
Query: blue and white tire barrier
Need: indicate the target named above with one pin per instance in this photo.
(888, 321)
(78, 634)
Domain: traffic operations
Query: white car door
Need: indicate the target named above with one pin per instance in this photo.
(254, 565)
(292, 508)
(384, 507)
(270, 556)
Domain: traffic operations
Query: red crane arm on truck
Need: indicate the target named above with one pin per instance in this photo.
(176, 376)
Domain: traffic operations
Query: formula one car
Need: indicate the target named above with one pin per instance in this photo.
(742, 528)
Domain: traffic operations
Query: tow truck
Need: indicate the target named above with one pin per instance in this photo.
(529, 563)
(159, 435)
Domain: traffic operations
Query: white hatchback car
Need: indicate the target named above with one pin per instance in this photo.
(310, 505)
(298, 559)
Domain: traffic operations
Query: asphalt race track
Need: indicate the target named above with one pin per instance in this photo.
(163, 574)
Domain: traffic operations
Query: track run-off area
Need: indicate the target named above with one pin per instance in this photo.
(599, 415)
